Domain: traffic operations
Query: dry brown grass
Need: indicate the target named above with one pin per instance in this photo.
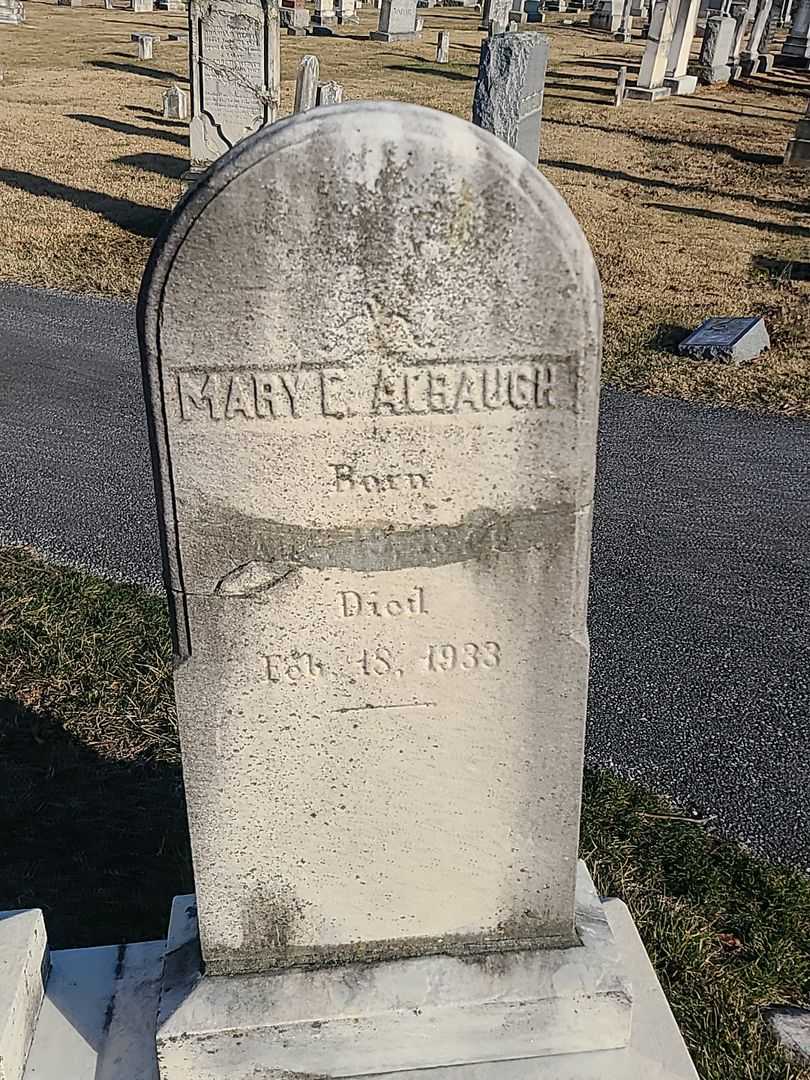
(680, 201)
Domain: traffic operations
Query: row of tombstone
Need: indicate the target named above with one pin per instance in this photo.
(12, 12)
(235, 69)
(736, 40)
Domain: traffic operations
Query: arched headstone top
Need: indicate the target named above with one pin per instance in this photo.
(371, 343)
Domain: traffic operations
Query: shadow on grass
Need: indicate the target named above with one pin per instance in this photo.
(137, 69)
(791, 116)
(733, 219)
(696, 189)
(601, 91)
(782, 269)
(693, 144)
(668, 337)
(129, 129)
(458, 76)
(163, 164)
(134, 217)
(102, 846)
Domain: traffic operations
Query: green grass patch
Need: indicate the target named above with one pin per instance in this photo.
(93, 822)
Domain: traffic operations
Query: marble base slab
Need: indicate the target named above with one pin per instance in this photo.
(87, 986)
(648, 93)
(23, 974)
(360, 1019)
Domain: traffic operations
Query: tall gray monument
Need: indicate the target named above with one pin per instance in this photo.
(235, 71)
(508, 99)
(376, 522)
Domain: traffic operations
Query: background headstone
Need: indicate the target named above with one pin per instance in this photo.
(176, 104)
(329, 93)
(397, 21)
(508, 97)
(715, 50)
(146, 45)
(235, 73)
(306, 84)
(324, 18)
(143, 6)
(443, 47)
(12, 12)
(650, 82)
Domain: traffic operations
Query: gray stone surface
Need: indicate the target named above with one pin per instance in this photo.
(727, 340)
(235, 73)
(329, 93)
(99, 1014)
(796, 47)
(397, 21)
(715, 50)
(508, 98)
(23, 974)
(143, 6)
(752, 53)
(443, 47)
(408, 1014)
(342, 627)
(146, 46)
(797, 154)
(791, 1026)
(306, 84)
(176, 104)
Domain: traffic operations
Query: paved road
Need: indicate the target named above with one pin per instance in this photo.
(699, 614)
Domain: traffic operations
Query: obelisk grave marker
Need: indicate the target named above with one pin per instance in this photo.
(376, 512)
(235, 72)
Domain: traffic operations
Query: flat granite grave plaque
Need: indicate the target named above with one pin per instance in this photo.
(235, 73)
(376, 519)
(730, 341)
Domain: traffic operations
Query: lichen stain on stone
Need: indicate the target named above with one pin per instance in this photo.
(460, 228)
(269, 920)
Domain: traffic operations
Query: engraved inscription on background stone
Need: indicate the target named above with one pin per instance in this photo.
(232, 59)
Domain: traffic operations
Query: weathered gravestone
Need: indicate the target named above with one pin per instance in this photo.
(329, 93)
(175, 103)
(143, 6)
(146, 46)
(235, 72)
(715, 49)
(12, 12)
(376, 522)
(797, 152)
(443, 47)
(306, 84)
(295, 17)
(397, 21)
(508, 98)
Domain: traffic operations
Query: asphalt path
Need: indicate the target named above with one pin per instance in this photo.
(699, 583)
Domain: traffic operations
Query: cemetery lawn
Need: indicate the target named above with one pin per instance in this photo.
(93, 828)
(686, 204)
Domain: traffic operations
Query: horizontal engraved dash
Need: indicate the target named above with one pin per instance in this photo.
(401, 705)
